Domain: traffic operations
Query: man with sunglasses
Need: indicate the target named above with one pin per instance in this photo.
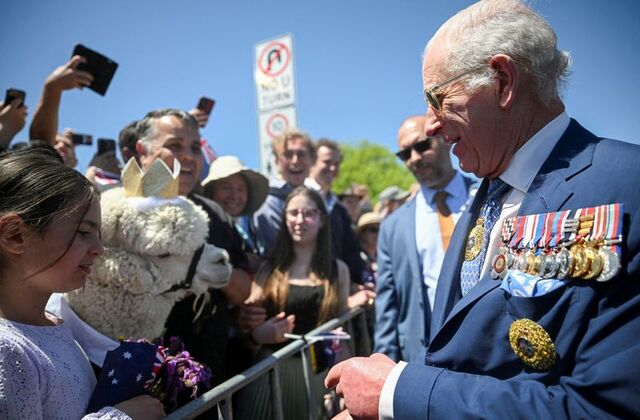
(527, 340)
(412, 243)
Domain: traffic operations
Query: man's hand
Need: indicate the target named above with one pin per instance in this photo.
(359, 380)
(67, 76)
(201, 116)
(12, 119)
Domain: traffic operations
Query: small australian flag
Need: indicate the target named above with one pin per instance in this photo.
(124, 373)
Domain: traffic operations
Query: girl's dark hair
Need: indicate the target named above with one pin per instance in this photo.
(37, 187)
(322, 266)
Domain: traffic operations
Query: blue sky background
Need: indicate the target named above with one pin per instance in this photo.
(357, 62)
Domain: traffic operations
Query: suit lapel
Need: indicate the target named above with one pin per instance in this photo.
(410, 239)
(448, 291)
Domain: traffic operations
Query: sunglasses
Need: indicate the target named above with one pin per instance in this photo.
(431, 94)
(420, 146)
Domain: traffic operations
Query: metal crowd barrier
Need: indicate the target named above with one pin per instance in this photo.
(221, 395)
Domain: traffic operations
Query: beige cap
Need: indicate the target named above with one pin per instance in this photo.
(368, 219)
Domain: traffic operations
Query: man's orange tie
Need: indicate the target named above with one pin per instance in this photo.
(444, 217)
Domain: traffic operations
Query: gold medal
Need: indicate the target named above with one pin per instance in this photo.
(581, 263)
(595, 263)
(532, 344)
(475, 240)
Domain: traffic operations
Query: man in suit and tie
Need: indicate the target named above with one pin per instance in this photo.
(412, 243)
(532, 340)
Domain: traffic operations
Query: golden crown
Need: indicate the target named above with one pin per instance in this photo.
(158, 181)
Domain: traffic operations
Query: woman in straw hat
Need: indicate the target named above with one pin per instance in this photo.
(240, 192)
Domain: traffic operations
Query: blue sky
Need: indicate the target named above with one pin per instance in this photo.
(357, 62)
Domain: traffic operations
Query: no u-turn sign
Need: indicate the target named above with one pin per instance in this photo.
(274, 75)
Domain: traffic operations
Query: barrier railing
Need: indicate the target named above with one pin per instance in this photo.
(221, 395)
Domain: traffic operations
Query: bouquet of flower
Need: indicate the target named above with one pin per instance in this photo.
(179, 379)
(138, 367)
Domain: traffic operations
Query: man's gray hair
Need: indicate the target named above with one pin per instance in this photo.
(508, 27)
(146, 127)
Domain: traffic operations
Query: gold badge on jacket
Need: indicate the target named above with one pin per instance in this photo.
(532, 344)
(475, 241)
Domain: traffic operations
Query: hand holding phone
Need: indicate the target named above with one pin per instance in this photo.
(100, 67)
(12, 94)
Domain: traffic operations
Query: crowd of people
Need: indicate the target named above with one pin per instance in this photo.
(502, 298)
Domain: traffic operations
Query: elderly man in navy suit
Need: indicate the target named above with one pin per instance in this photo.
(538, 302)
(413, 241)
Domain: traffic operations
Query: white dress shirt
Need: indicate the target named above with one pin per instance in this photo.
(522, 169)
(428, 235)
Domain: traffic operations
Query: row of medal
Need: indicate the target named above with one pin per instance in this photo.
(569, 244)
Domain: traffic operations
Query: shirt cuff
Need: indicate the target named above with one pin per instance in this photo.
(385, 405)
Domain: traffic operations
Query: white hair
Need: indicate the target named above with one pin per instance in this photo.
(509, 27)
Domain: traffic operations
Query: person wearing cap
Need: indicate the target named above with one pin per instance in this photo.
(240, 192)
(367, 231)
(390, 199)
(412, 243)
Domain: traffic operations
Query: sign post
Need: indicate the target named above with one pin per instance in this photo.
(275, 94)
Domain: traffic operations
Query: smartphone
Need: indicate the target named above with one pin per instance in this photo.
(82, 139)
(13, 94)
(101, 68)
(206, 105)
(106, 145)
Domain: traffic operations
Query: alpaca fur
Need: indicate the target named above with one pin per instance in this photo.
(149, 244)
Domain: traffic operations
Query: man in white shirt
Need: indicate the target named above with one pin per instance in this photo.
(413, 241)
(526, 339)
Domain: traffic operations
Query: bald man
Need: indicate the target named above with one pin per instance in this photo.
(412, 243)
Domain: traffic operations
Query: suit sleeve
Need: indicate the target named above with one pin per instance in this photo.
(386, 332)
(267, 220)
(604, 381)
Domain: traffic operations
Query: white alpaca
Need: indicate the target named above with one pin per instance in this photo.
(149, 246)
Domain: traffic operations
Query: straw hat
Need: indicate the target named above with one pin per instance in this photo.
(257, 184)
(368, 219)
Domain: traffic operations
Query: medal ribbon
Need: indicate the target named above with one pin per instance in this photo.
(507, 229)
(570, 236)
(545, 238)
(558, 222)
(614, 225)
(519, 229)
(530, 231)
(587, 211)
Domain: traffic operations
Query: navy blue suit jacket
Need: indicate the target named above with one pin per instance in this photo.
(471, 370)
(403, 315)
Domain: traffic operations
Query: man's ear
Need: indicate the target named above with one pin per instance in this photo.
(508, 78)
(13, 233)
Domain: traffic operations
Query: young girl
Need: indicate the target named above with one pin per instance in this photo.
(49, 238)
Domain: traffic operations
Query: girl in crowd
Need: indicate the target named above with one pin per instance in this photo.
(302, 287)
(49, 238)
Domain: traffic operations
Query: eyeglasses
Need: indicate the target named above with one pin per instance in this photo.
(431, 94)
(300, 154)
(306, 213)
(420, 146)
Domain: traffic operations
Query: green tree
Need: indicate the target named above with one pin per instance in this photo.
(373, 165)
